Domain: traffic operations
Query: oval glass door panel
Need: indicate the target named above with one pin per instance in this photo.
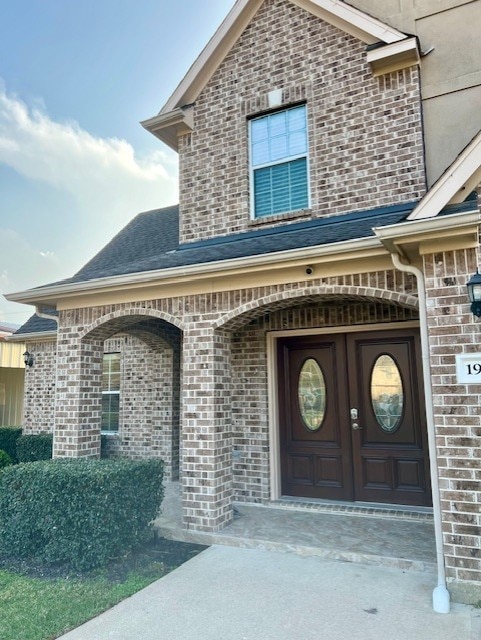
(311, 392)
(387, 393)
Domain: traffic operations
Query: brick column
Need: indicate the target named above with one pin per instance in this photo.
(457, 411)
(78, 397)
(206, 429)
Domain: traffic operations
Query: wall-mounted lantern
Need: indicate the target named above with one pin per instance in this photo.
(28, 359)
(474, 292)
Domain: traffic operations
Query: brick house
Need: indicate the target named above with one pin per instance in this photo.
(299, 325)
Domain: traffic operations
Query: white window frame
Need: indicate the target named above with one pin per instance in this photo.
(112, 393)
(285, 160)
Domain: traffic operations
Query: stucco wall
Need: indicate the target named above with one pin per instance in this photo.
(450, 72)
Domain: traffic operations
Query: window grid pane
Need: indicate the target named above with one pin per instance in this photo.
(110, 392)
(279, 162)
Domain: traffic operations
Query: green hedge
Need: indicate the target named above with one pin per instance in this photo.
(5, 459)
(8, 440)
(78, 512)
(31, 448)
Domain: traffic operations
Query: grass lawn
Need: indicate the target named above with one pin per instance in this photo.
(35, 605)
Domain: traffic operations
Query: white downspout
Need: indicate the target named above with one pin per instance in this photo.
(441, 599)
(48, 316)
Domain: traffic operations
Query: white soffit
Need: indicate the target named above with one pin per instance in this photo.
(392, 57)
(455, 184)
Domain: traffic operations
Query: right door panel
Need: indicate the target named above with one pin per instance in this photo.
(389, 444)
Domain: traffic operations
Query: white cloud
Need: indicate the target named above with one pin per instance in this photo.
(97, 171)
(108, 182)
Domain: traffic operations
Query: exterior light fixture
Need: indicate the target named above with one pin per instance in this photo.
(474, 292)
(28, 358)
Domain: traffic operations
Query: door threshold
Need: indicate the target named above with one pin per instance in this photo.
(366, 509)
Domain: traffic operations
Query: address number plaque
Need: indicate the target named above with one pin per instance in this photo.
(468, 368)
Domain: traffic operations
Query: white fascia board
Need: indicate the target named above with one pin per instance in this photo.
(39, 335)
(455, 183)
(351, 20)
(197, 271)
(168, 126)
(406, 230)
(390, 57)
(213, 54)
(338, 13)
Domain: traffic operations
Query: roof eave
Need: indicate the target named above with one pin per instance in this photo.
(169, 126)
(454, 227)
(51, 294)
(34, 335)
(455, 184)
(394, 57)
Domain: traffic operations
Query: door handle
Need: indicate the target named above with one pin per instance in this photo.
(356, 427)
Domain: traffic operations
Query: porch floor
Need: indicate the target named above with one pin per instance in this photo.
(369, 535)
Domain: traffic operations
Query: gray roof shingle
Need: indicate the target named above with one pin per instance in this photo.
(150, 241)
(35, 324)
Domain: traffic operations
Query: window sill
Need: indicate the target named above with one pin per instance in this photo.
(280, 217)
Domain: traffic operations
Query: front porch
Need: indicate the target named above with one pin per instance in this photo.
(378, 535)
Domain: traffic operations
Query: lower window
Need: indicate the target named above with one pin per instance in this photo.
(111, 392)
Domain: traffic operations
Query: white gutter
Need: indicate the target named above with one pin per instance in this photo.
(410, 227)
(456, 222)
(192, 271)
(34, 335)
(440, 593)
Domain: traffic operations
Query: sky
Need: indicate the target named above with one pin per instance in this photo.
(76, 78)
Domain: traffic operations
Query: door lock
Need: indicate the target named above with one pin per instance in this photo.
(354, 414)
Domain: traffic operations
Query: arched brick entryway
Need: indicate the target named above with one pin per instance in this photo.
(149, 346)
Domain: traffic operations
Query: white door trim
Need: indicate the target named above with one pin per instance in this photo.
(272, 389)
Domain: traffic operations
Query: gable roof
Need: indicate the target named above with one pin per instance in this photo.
(175, 118)
(459, 180)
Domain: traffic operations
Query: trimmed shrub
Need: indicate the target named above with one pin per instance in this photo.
(78, 512)
(8, 440)
(104, 446)
(5, 459)
(31, 448)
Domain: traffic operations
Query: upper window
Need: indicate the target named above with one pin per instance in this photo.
(111, 392)
(278, 153)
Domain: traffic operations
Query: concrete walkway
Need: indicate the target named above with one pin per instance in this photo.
(229, 593)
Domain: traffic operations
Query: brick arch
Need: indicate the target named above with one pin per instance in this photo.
(284, 299)
(154, 339)
(108, 325)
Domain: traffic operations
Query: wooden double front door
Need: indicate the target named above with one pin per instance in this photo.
(352, 418)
